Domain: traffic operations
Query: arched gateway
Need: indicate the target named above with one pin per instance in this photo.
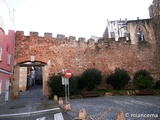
(22, 65)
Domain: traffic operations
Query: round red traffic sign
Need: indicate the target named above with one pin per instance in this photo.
(68, 74)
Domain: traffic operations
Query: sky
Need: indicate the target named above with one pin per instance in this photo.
(80, 18)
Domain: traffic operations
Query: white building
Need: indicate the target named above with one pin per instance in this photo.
(117, 28)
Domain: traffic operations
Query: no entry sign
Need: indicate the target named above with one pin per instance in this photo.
(68, 73)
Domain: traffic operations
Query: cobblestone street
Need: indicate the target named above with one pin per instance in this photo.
(133, 107)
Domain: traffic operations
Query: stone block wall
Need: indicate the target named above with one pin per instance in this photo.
(78, 55)
(22, 78)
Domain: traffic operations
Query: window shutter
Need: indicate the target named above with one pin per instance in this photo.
(9, 59)
(0, 54)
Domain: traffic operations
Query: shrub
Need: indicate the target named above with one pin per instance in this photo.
(119, 79)
(73, 85)
(91, 78)
(80, 83)
(157, 85)
(56, 87)
(143, 79)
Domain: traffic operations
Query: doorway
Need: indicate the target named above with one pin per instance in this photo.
(21, 78)
(30, 75)
(34, 76)
(7, 90)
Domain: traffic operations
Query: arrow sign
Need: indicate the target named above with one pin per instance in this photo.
(68, 74)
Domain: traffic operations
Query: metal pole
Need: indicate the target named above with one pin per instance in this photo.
(68, 89)
(66, 93)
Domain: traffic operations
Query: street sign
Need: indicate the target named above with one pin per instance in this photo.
(68, 74)
(65, 81)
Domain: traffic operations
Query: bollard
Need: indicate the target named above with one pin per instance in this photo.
(68, 107)
(82, 114)
(60, 102)
(128, 93)
(120, 115)
(55, 98)
(108, 94)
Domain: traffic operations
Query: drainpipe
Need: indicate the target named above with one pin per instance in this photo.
(14, 44)
(12, 96)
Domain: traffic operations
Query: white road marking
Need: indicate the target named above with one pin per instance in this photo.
(58, 116)
(28, 113)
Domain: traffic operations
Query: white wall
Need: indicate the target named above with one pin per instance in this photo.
(117, 28)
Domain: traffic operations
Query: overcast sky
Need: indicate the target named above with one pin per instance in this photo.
(80, 18)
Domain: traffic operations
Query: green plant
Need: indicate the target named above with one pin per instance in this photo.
(91, 78)
(157, 85)
(80, 82)
(56, 87)
(143, 79)
(73, 85)
(118, 79)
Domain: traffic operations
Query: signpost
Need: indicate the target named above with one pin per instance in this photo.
(65, 81)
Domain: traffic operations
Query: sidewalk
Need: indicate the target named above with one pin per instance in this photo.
(30, 103)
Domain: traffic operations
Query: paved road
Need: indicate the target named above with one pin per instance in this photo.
(30, 106)
(133, 107)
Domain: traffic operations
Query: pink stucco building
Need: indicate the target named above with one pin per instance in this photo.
(7, 43)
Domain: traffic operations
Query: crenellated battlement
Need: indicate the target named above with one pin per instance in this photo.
(34, 36)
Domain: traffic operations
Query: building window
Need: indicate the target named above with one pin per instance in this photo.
(112, 34)
(140, 35)
(0, 86)
(9, 59)
(0, 54)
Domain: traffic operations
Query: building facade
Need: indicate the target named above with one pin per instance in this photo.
(7, 44)
(116, 29)
(133, 30)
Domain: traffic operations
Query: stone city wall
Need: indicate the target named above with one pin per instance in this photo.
(79, 55)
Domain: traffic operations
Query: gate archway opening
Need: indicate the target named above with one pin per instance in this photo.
(31, 74)
(22, 75)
